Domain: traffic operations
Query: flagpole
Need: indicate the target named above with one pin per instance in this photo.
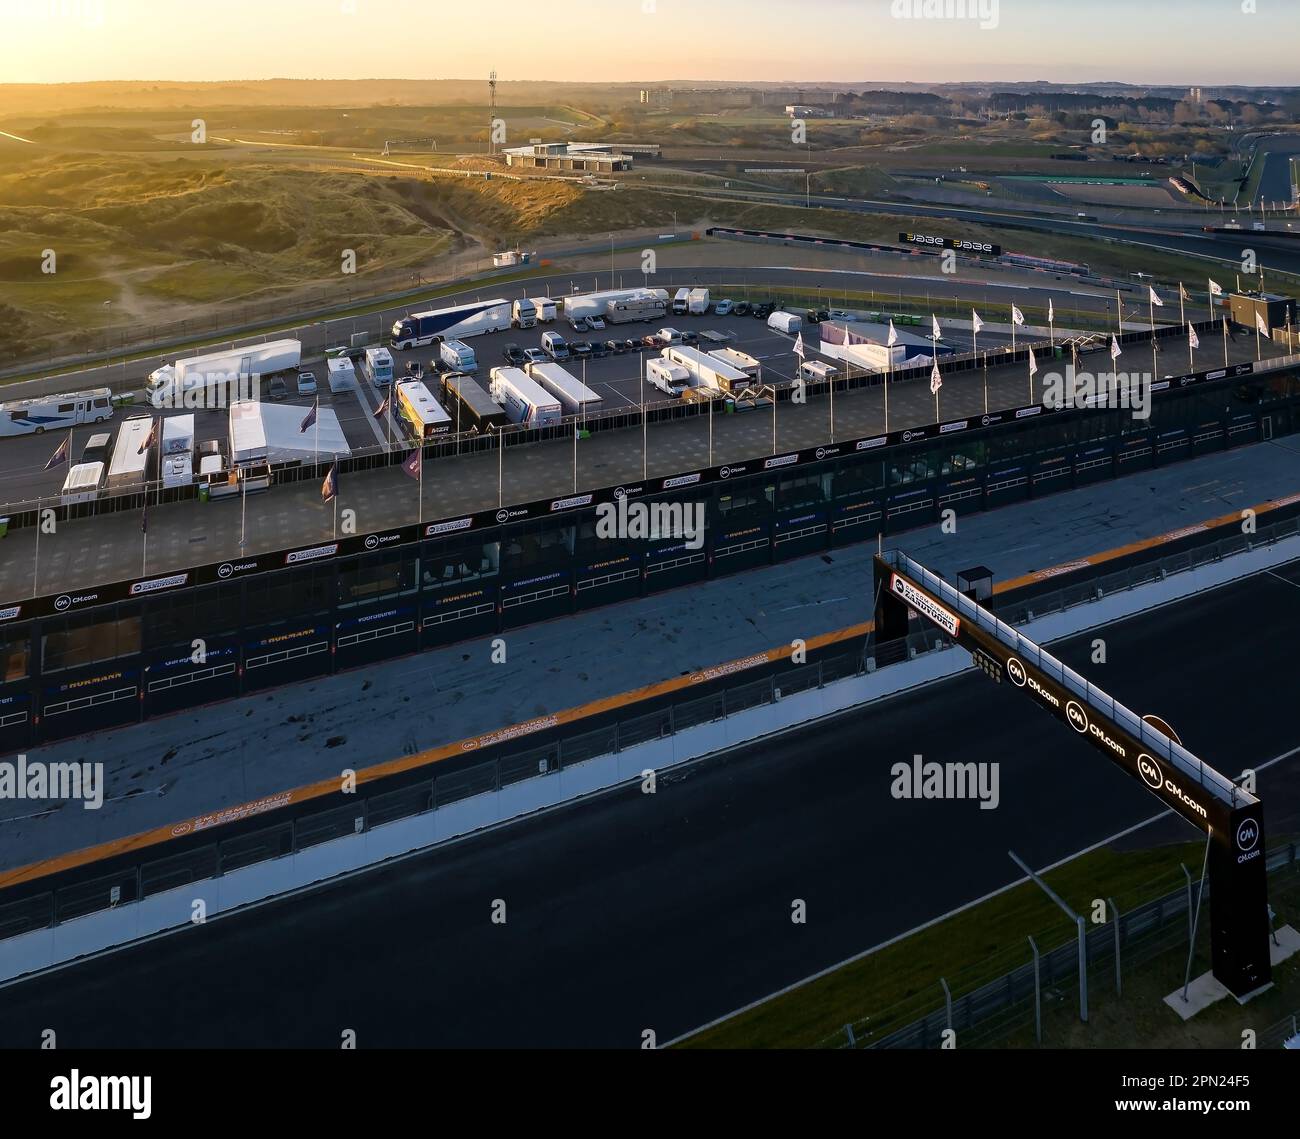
(1182, 304)
(1225, 341)
(1051, 326)
(501, 442)
(1211, 296)
(36, 569)
(645, 429)
(889, 370)
(1013, 332)
(334, 468)
(1151, 309)
(420, 510)
(1191, 352)
(1119, 313)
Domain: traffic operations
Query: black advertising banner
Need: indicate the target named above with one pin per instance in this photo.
(1233, 818)
(959, 244)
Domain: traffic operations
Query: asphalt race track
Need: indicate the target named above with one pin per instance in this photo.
(632, 911)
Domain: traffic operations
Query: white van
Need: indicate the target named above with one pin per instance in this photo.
(553, 344)
(681, 301)
(669, 336)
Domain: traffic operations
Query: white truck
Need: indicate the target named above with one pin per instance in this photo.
(681, 301)
(586, 305)
(523, 314)
(671, 379)
(545, 309)
(697, 303)
(645, 307)
(217, 379)
(742, 361)
(132, 455)
(525, 402)
(178, 451)
(574, 396)
(707, 370)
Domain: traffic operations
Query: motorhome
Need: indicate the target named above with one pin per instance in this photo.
(378, 366)
(50, 412)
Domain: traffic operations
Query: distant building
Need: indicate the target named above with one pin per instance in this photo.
(661, 98)
(800, 111)
(578, 157)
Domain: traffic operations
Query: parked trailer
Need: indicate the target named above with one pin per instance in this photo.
(455, 323)
(545, 309)
(50, 412)
(217, 379)
(786, 322)
(707, 370)
(426, 416)
(342, 375)
(82, 484)
(741, 361)
(470, 407)
(133, 455)
(575, 397)
(525, 401)
(647, 307)
(178, 451)
(585, 305)
(697, 303)
(247, 435)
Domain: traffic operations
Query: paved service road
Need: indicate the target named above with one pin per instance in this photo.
(634, 911)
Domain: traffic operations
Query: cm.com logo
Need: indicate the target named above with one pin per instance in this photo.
(1150, 771)
(1248, 835)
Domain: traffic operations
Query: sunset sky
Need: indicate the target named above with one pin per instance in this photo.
(1202, 42)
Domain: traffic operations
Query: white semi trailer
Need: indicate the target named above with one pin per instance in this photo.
(217, 379)
(707, 370)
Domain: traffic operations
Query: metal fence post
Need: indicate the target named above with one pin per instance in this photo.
(1038, 995)
(1119, 979)
(1083, 970)
(947, 1001)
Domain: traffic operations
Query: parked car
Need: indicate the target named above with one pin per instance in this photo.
(689, 337)
(514, 355)
(723, 308)
(651, 341)
(306, 383)
(599, 348)
(763, 311)
(277, 389)
(741, 308)
(840, 314)
(414, 369)
(616, 347)
(535, 356)
(630, 345)
(579, 324)
(580, 348)
(596, 323)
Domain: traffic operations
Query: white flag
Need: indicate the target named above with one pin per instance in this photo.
(1033, 364)
(978, 324)
(1183, 294)
(798, 346)
(1114, 349)
(936, 379)
(893, 336)
(935, 321)
(1193, 340)
(1017, 316)
(1051, 312)
(1262, 325)
(1216, 290)
(1155, 298)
